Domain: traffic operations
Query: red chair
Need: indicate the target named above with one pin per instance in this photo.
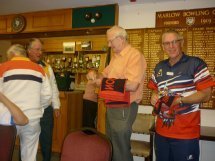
(86, 145)
(7, 141)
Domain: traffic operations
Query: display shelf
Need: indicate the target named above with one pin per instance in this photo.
(76, 65)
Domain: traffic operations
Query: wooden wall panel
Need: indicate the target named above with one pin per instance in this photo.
(49, 21)
(56, 44)
(54, 20)
(46, 21)
(3, 24)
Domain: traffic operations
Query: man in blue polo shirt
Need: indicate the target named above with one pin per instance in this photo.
(179, 83)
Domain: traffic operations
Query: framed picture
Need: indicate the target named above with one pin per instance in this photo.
(69, 47)
(86, 45)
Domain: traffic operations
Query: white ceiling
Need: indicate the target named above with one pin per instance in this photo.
(22, 6)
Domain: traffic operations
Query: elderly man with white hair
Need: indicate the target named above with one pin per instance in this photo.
(26, 85)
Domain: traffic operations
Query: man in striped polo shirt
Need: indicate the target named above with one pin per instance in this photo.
(179, 83)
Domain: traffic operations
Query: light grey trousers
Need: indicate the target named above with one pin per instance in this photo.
(119, 129)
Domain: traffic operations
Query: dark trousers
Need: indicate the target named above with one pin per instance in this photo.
(47, 124)
(89, 113)
(170, 149)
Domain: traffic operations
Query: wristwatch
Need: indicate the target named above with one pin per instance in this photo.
(18, 23)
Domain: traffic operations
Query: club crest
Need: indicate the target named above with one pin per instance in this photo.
(190, 21)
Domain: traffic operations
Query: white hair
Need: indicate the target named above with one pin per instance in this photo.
(16, 50)
(118, 31)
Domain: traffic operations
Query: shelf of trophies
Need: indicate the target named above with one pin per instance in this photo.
(88, 60)
(71, 69)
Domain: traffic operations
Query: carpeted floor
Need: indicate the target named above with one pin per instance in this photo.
(55, 156)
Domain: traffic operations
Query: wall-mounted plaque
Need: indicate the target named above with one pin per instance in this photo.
(186, 18)
(18, 23)
(96, 16)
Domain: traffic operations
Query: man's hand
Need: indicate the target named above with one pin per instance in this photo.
(170, 100)
(154, 98)
(91, 75)
(157, 108)
(57, 112)
(172, 104)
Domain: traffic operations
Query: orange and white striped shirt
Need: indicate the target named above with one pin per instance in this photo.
(25, 84)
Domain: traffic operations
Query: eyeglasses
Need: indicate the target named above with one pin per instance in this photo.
(37, 49)
(111, 40)
(173, 43)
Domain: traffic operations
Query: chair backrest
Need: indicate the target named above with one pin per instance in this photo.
(86, 145)
(143, 123)
(7, 141)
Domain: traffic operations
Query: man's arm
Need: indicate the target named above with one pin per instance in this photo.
(135, 72)
(55, 93)
(131, 86)
(46, 93)
(95, 76)
(19, 117)
(198, 97)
